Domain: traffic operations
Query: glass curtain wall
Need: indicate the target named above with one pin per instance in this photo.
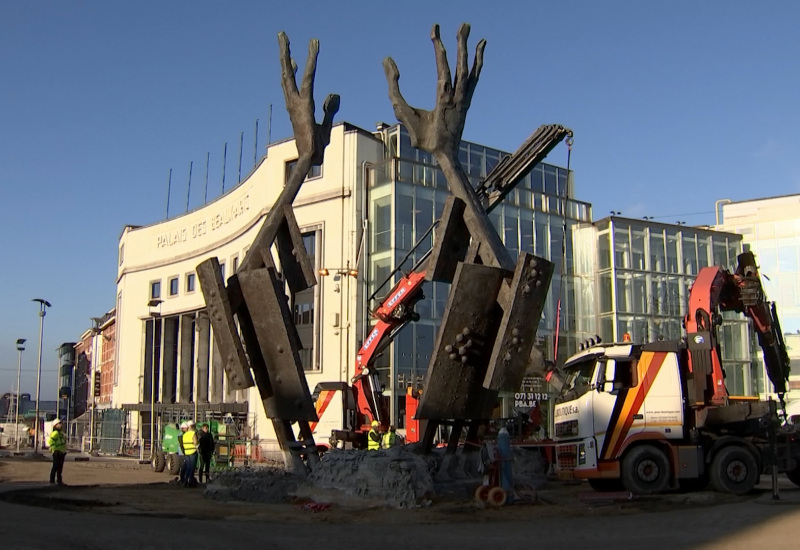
(407, 194)
(644, 273)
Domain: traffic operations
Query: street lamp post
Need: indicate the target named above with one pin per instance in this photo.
(43, 305)
(151, 304)
(96, 332)
(20, 349)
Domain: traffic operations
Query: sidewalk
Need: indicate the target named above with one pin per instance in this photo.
(76, 456)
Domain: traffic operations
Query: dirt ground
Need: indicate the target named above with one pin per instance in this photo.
(124, 488)
(110, 504)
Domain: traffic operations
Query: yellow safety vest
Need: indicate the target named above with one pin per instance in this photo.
(188, 443)
(57, 442)
(373, 445)
(389, 439)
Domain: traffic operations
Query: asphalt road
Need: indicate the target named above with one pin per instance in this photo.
(752, 523)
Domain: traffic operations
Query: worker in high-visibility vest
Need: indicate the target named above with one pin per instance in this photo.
(390, 438)
(373, 437)
(190, 454)
(58, 446)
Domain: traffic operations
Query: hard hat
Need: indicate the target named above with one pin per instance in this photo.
(375, 423)
(184, 425)
(190, 423)
(57, 422)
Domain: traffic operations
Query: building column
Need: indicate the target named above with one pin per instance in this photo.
(202, 336)
(186, 359)
(169, 364)
(217, 376)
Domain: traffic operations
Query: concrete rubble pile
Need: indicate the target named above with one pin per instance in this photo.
(264, 484)
(396, 477)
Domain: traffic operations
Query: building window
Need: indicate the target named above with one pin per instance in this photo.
(155, 290)
(235, 264)
(121, 253)
(382, 208)
(190, 282)
(313, 173)
(222, 270)
(305, 311)
(173, 286)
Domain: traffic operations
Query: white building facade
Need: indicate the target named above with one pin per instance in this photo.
(160, 318)
(770, 228)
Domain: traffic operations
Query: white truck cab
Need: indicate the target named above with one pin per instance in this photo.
(616, 396)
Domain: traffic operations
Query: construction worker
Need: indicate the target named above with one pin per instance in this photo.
(390, 438)
(206, 447)
(374, 437)
(184, 426)
(58, 446)
(190, 442)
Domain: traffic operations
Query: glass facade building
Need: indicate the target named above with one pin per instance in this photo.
(632, 280)
(407, 193)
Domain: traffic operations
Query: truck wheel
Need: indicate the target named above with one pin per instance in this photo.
(606, 485)
(734, 470)
(174, 462)
(645, 470)
(158, 462)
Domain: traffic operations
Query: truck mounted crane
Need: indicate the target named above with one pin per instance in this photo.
(654, 416)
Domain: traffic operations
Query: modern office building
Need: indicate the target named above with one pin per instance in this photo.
(363, 210)
(632, 281)
(406, 195)
(770, 228)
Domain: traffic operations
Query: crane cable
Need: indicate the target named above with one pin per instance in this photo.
(564, 198)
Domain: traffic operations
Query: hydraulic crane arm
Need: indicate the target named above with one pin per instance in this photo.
(512, 169)
(716, 290)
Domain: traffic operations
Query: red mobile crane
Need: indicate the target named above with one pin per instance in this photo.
(357, 405)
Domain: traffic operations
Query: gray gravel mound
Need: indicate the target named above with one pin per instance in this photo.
(396, 476)
(269, 485)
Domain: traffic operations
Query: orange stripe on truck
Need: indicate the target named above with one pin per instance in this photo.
(621, 421)
(322, 403)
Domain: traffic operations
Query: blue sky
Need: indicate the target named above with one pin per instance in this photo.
(674, 105)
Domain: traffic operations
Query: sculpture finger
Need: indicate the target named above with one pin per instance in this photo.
(460, 83)
(444, 80)
(393, 80)
(475, 73)
(307, 87)
(330, 108)
(288, 66)
(404, 113)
